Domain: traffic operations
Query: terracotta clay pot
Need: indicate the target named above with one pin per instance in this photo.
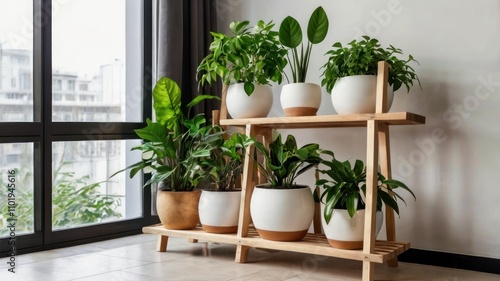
(178, 209)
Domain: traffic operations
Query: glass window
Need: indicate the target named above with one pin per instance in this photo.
(108, 48)
(16, 185)
(81, 191)
(57, 84)
(71, 85)
(16, 56)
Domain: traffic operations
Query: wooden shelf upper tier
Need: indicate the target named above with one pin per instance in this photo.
(328, 121)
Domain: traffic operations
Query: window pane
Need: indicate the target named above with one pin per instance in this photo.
(16, 185)
(80, 193)
(16, 61)
(97, 60)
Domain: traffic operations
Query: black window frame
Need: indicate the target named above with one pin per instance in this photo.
(43, 132)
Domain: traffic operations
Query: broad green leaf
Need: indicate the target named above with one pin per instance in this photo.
(318, 26)
(167, 102)
(290, 33)
(153, 132)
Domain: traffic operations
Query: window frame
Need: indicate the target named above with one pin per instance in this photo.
(43, 131)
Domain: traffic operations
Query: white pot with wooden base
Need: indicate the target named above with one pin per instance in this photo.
(282, 214)
(219, 211)
(240, 105)
(300, 99)
(344, 232)
(357, 94)
(178, 209)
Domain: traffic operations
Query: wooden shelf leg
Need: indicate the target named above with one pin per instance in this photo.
(368, 271)
(246, 195)
(371, 197)
(385, 165)
(161, 244)
(242, 253)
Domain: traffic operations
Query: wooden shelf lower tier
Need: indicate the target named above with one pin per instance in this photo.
(315, 244)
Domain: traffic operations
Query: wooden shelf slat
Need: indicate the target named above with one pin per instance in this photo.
(315, 244)
(328, 121)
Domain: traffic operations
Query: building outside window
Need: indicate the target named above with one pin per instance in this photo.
(96, 103)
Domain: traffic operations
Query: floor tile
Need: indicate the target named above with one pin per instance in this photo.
(135, 258)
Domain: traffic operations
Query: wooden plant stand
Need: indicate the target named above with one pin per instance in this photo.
(377, 151)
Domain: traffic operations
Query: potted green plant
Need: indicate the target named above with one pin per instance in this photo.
(282, 210)
(220, 204)
(344, 206)
(300, 98)
(172, 148)
(350, 74)
(247, 60)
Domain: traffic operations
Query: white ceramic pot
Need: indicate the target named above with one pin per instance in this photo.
(240, 105)
(219, 211)
(300, 99)
(282, 214)
(345, 232)
(357, 94)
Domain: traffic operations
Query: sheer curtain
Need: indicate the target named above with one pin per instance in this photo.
(183, 39)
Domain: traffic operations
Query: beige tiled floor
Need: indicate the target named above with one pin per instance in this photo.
(134, 258)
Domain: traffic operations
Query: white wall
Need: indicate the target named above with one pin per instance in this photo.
(451, 162)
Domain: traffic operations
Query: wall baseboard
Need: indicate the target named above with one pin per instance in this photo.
(481, 264)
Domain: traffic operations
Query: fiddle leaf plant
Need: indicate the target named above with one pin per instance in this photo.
(345, 188)
(290, 35)
(248, 55)
(284, 161)
(362, 57)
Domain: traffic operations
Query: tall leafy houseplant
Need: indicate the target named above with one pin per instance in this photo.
(300, 98)
(173, 144)
(283, 210)
(172, 149)
(290, 35)
(248, 55)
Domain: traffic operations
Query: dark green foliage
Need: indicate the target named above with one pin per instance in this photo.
(226, 161)
(345, 188)
(174, 159)
(285, 161)
(362, 57)
(174, 145)
(247, 56)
